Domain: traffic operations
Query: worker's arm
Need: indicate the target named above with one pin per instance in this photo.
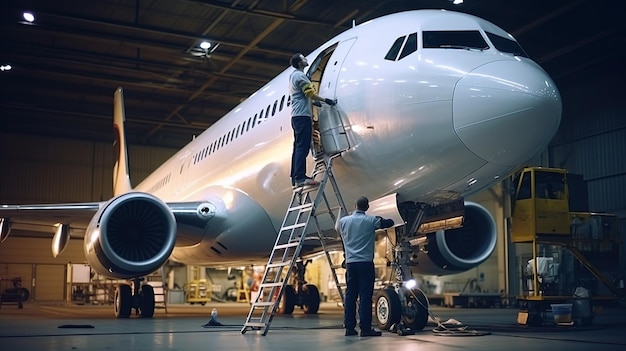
(384, 223)
(309, 90)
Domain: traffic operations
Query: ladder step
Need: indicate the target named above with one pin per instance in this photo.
(284, 246)
(255, 324)
(306, 189)
(293, 226)
(270, 285)
(276, 265)
(262, 304)
(306, 206)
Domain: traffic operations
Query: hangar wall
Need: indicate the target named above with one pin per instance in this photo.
(44, 169)
(592, 142)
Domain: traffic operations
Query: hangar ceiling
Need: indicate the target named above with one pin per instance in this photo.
(68, 62)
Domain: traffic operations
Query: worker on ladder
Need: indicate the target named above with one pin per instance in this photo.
(302, 92)
(358, 235)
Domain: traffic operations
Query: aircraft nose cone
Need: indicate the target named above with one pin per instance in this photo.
(506, 112)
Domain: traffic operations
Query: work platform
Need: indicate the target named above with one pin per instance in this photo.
(47, 327)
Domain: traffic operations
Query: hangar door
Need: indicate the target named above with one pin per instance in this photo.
(49, 282)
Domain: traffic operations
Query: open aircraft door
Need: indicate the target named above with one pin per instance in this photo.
(324, 73)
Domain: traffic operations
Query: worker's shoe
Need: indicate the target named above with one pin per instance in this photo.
(351, 332)
(306, 182)
(371, 332)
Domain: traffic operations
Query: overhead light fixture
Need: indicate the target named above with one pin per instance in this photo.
(205, 45)
(5, 67)
(457, 2)
(29, 17)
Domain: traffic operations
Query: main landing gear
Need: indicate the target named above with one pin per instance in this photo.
(141, 299)
(306, 296)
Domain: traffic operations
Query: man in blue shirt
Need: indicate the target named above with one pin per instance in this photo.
(302, 92)
(358, 235)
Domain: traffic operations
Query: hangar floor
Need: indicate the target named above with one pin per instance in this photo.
(57, 327)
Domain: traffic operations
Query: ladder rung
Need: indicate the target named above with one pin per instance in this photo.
(256, 324)
(270, 285)
(306, 206)
(284, 246)
(293, 226)
(262, 304)
(279, 264)
(306, 189)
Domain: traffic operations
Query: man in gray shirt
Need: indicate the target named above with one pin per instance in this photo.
(358, 235)
(302, 92)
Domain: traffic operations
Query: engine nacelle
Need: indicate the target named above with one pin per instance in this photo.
(457, 250)
(132, 235)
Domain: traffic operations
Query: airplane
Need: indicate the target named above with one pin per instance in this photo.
(432, 106)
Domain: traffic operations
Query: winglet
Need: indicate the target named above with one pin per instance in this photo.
(121, 177)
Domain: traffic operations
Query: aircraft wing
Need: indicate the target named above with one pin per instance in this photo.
(45, 217)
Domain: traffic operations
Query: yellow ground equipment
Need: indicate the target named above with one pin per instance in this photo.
(198, 292)
(542, 217)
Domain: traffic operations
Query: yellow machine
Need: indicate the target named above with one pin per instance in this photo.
(541, 204)
(541, 217)
(198, 289)
(198, 292)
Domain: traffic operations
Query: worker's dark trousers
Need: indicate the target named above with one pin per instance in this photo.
(302, 133)
(360, 283)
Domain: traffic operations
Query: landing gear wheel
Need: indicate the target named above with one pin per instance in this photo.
(123, 301)
(312, 299)
(388, 310)
(146, 307)
(287, 301)
(24, 292)
(415, 315)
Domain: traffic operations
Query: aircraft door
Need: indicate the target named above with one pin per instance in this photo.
(181, 172)
(324, 73)
(332, 68)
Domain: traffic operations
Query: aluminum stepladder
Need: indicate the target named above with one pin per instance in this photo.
(284, 256)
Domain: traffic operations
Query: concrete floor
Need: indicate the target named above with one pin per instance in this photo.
(41, 326)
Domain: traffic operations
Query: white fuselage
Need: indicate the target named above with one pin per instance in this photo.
(434, 126)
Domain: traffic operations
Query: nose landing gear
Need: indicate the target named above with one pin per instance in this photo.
(398, 307)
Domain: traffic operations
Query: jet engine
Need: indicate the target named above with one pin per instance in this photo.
(456, 250)
(130, 236)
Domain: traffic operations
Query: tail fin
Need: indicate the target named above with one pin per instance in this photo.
(121, 177)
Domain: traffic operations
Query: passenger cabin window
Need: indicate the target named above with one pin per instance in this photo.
(455, 39)
(506, 45)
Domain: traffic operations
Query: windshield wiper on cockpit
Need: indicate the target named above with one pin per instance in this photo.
(464, 47)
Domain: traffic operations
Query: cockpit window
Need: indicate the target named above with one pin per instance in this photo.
(456, 39)
(395, 49)
(506, 45)
(410, 46)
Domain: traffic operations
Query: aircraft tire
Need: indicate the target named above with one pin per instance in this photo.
(417, 307)
(287, 301)
(312, 300)
(123, 301)
(147, 301)
(387, 308)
